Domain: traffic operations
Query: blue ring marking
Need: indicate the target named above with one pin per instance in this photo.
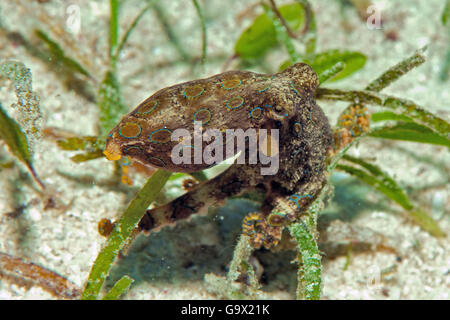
(310, 111)
(236, 107)
(125, 161)
(252, 221)
(135, 136)
(251, 112)
(249, 222)
(162, 129)
(209, 111)
(267, 87)
(317, 168)
(149, 111)
(159, 159)
(279, 214)
(234, 87)
(292, 85)
(197, 95)
(132, 147)
(298, 197)
(269, 106)
(301, 128)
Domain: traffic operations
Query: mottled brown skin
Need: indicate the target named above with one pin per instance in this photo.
(304, 141)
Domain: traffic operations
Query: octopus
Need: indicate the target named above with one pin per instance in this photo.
(280, 106)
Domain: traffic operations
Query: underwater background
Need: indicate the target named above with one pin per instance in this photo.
(371, 248)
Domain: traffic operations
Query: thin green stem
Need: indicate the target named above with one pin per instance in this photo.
(113, 30)
(204, 34)
(334, 161)
(310, 32)
(401, 106)
(309, 260)
(330, 73)
(199, 176)
(119, 288)
(397, 71)
(123, 233)
(373, 176)
(242, 252)
(60, 55)
(130, 29)
(282, 20)
(282, 34)
(445, 71)
(167, 27)
(241, 265)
